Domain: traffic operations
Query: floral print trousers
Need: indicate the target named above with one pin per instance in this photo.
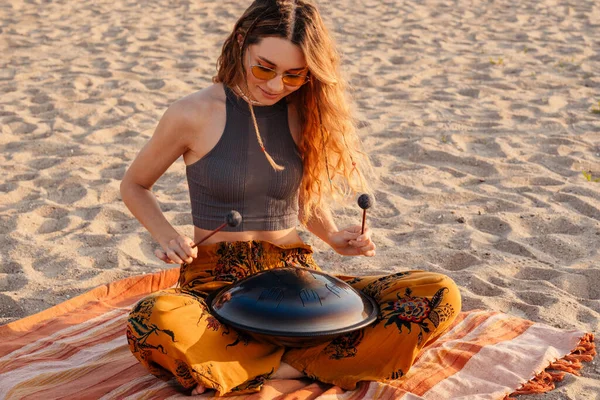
(173, 334)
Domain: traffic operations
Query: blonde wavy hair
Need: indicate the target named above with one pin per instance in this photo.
(334, 165)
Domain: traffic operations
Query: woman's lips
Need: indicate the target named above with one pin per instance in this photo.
(267, 94)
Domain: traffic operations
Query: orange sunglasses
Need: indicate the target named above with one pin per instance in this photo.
(266, 74)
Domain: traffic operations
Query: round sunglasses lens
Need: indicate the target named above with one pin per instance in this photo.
(295, 80)
(263, 73)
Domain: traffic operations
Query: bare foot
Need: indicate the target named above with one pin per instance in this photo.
(198, 390)
(286, 371)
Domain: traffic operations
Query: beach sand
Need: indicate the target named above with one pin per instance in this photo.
(482, 119)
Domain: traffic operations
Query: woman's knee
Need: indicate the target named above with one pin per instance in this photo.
(166, 310)
(446, 299)
(423, 293)
(453, 296)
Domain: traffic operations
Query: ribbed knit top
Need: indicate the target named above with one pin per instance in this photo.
(235, 174)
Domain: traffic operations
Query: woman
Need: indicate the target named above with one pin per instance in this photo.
(274, 139)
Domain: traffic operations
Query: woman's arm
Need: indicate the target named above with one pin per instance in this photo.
(348, 241)
(170, 140)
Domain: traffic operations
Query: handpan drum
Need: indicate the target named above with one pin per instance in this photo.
(293, 307)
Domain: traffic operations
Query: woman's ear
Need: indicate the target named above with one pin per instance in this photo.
(240, 39)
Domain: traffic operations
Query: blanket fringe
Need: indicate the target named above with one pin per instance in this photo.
(571, 363)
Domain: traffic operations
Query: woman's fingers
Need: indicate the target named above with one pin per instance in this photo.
(358, 241)
(357, 251)
(186, 245)
(354, 233)
(177, 251)
(365, 236)
(162, 256)
(369, 253)
(173, 256)
(363, 242)
(365, 248)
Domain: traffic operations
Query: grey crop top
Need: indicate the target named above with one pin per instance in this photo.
(235, 174)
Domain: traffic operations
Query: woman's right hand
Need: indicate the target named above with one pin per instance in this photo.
(177, 251)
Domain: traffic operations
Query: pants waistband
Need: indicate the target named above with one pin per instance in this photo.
(214, 251)
(227, 262)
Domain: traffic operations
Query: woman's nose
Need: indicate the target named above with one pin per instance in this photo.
(275, 85)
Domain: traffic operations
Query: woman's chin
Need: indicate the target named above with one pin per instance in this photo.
(267, 99)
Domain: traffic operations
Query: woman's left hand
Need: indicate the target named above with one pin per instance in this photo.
(350, 242)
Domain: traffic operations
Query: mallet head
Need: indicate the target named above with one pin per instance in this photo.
(365, 201)
(233, 218)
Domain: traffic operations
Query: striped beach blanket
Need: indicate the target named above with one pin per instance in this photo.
(78, 350)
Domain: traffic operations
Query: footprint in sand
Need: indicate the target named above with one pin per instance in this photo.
(153, 84)
(12, 281)
(7, 224)
(492, 225)
(438, 217)
(545, 181)
(8, 187)
(587, 316)
(579, 285)
(46, 111)
(579, 205)
(96, 240)
(29, 176)
(110, 221)
(128, 134)
(494, 205)
(508, 246)
(67, 193)
(114, 171)
(562, 165)
(384, 208)
(54, 225)
(500, 281)
(483, 147)
(411, 237)
(483, 288)
(565, 249)
(41, 98)
(42, 163)
(110, 258)
(459, 261)
(53, 267)
(540, 225)
(18, 126)
(9, 308)
(51, 211)
(11, 267)
(537, 298)
(532, 271)
(472, 303)
(467, 165)
(469, 92)
(524, 310)
(406, 192)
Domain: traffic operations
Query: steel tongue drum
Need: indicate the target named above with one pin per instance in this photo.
(293, 306)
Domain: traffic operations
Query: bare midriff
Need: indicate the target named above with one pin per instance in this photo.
(282, 237)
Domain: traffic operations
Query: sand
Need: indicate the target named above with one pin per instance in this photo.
(482, 119)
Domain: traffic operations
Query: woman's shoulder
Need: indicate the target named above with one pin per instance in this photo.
(186, 118)
(197, 106)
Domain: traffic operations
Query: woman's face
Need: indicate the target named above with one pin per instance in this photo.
(280, 55)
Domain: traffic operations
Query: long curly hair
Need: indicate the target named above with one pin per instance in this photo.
(334, 165)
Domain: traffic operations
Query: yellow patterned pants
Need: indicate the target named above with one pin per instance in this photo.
(173, 334)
